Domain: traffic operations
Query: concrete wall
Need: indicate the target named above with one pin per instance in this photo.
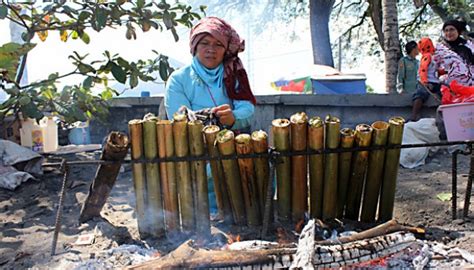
(352, 109)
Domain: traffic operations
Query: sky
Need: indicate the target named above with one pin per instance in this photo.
(269, 56)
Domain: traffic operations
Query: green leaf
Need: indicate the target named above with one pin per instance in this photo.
(84, 68)
(118, 73)
(31, 110)
(163, 71)
(120, 2)
(74, 35)
(3, 12)
(133, 80)
(140, 3)
(124, 63)
(24, 100)
(87, 82)
(84, 15)
(85, 38)
(175, 34)
(444, 197)
(101, 18)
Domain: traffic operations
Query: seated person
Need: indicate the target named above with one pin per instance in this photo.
(408, 69)
(216, 77)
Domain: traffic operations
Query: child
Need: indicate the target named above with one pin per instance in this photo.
(407, 69)
(428, 77)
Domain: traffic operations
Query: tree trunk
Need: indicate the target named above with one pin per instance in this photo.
(319, 13)
(375, 7)
(391, 43)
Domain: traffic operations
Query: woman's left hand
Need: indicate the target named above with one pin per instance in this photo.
(225, 114)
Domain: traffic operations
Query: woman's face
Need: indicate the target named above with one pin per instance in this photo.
(450, 33)
(210, 51)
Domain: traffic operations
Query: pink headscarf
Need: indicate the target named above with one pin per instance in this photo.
(233, 68)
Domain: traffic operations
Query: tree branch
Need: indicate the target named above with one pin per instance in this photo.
(361, 22)
(413, 24)
(50, 80)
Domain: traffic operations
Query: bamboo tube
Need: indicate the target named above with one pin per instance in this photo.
(359, 168)
(347, 141)
(299, 168)
(375, 172)
(135, 129)
(316, 169)
(225, 142)
(155, 205)
(183, 173)
(243, 145)
(333, 125)
(220, 188)
(281, 142)
(262, 167)
(164, 129)
(392, 160)
(199, 175)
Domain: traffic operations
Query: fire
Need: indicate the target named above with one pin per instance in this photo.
(233, 238)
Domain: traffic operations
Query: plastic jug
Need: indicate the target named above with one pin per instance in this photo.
(25, 132)
(50, 134)
(37, 138)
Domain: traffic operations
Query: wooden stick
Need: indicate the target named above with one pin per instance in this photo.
(199, 175)
(281, 142)
(164, 129)
(225, 142)
(392, 161)
(375, 172)
(243, 145)
(135, 130)
(359, 169)
(316, 168)
(220, 188)
(155, 213)
(347, 141)
(333, 126)
(183, 173)
(299, 168)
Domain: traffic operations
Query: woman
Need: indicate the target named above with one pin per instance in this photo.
(215, 79)
(455, 54)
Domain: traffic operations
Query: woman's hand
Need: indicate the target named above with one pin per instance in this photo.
(225, 114)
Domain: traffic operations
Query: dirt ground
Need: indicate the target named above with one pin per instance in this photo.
(27, 215)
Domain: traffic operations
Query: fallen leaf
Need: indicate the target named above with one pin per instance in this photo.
(444, 197)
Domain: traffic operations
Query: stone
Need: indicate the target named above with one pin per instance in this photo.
(458, 221)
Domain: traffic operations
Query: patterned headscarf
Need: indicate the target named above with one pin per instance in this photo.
(233, 69)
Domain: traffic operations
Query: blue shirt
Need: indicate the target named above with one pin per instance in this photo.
(185, 87)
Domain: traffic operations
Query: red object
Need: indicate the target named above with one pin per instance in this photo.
(427, 49)
(457, 93)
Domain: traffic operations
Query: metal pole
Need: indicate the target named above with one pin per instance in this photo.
(467, 199)
(57, 225)
(454, 183)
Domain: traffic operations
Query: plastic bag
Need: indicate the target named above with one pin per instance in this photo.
(457, 93)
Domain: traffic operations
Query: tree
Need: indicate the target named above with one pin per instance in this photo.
(391, 43)
(319, 14)
(74, 20)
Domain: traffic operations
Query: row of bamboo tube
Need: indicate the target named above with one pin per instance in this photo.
(354, 185)
(173, 196)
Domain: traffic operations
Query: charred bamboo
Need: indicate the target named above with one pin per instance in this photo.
(281, 142)
(374, 173)
(359, 168)
(155, 206)
(135, 129)
(299, 168)
(316, 168)
(261, 165)
(347, 141)
(183, 173)
(220, 188)
(225, 142)
(333, 126)
(243, 145)
(164, 129)
(392, 160)
(198, 168)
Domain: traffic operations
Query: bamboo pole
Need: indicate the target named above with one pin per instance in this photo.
(135, 129)
(183, 173)
(333, 125)
(374, 173)
(299, 168)
(359, 169)
(281, 142)
(316, 168)
(164, 129)
(155, 205)
(392, 160)
(199, 175)
(225, 142)
(262, 167)
(243, 145)
(220, 188)
(347, 141)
